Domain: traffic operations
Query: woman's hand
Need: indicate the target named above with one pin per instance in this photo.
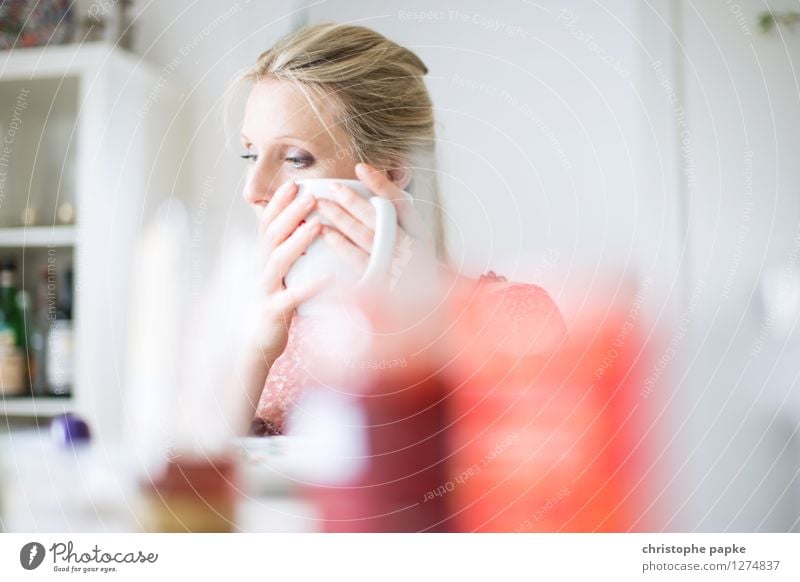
(353, 220)
(282, 238)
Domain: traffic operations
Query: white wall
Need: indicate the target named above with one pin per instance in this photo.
(740, 394)
(200, 46)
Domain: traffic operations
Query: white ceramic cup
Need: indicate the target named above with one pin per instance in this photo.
(320, 260)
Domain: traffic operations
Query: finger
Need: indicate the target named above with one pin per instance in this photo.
(287, 221)
(280, 200)
(284, 256)
(347, 224)
(354, 203)
(290, 298)
(345, 248)
(408, 216)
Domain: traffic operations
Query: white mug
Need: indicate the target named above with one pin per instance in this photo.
(320, 259)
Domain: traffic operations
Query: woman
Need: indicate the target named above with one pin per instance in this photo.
(339, 101)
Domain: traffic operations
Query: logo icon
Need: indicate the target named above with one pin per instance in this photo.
(31, 555)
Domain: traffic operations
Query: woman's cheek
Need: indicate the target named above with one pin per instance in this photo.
(333, 168)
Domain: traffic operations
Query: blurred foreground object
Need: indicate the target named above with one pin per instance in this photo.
(180, 419)
(192, 494)
(495, 420)
(547, 440)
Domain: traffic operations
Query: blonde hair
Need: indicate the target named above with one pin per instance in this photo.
(380, 97)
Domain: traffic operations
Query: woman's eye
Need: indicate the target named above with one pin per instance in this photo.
(299, 162)
(249, 157)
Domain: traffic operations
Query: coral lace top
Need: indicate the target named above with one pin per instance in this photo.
(524, 308)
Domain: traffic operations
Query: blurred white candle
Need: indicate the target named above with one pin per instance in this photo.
(160, 284)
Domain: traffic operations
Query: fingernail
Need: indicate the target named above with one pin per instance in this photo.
(286, 186)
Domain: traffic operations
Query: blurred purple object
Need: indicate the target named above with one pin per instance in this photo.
(67, 429)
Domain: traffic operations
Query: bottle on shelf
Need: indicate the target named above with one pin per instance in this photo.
(13, 346)
(9, 307)
(12, 363)
(23, 300)
(37, 334)
(59, 358)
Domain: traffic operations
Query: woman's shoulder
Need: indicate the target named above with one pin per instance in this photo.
(516, 291)
(525, 311)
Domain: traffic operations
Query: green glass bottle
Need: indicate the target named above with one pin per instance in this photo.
(39, 326)
(9, 307)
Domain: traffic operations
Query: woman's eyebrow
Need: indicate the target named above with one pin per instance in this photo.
(282, 136)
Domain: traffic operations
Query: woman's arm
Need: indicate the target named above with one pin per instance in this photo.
(252, 370)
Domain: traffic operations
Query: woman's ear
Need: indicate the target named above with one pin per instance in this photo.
(401, 176)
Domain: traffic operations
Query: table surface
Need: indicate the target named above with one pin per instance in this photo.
(45, 488)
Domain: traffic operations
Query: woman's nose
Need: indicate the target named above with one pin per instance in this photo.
(260, 186)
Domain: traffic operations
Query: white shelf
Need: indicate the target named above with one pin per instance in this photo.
(62, 60)
(40, 406)
(87, 100)
(37, 236)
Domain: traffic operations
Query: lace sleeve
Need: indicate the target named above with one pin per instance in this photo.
(522, 316)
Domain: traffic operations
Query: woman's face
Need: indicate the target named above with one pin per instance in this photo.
(284, 139)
